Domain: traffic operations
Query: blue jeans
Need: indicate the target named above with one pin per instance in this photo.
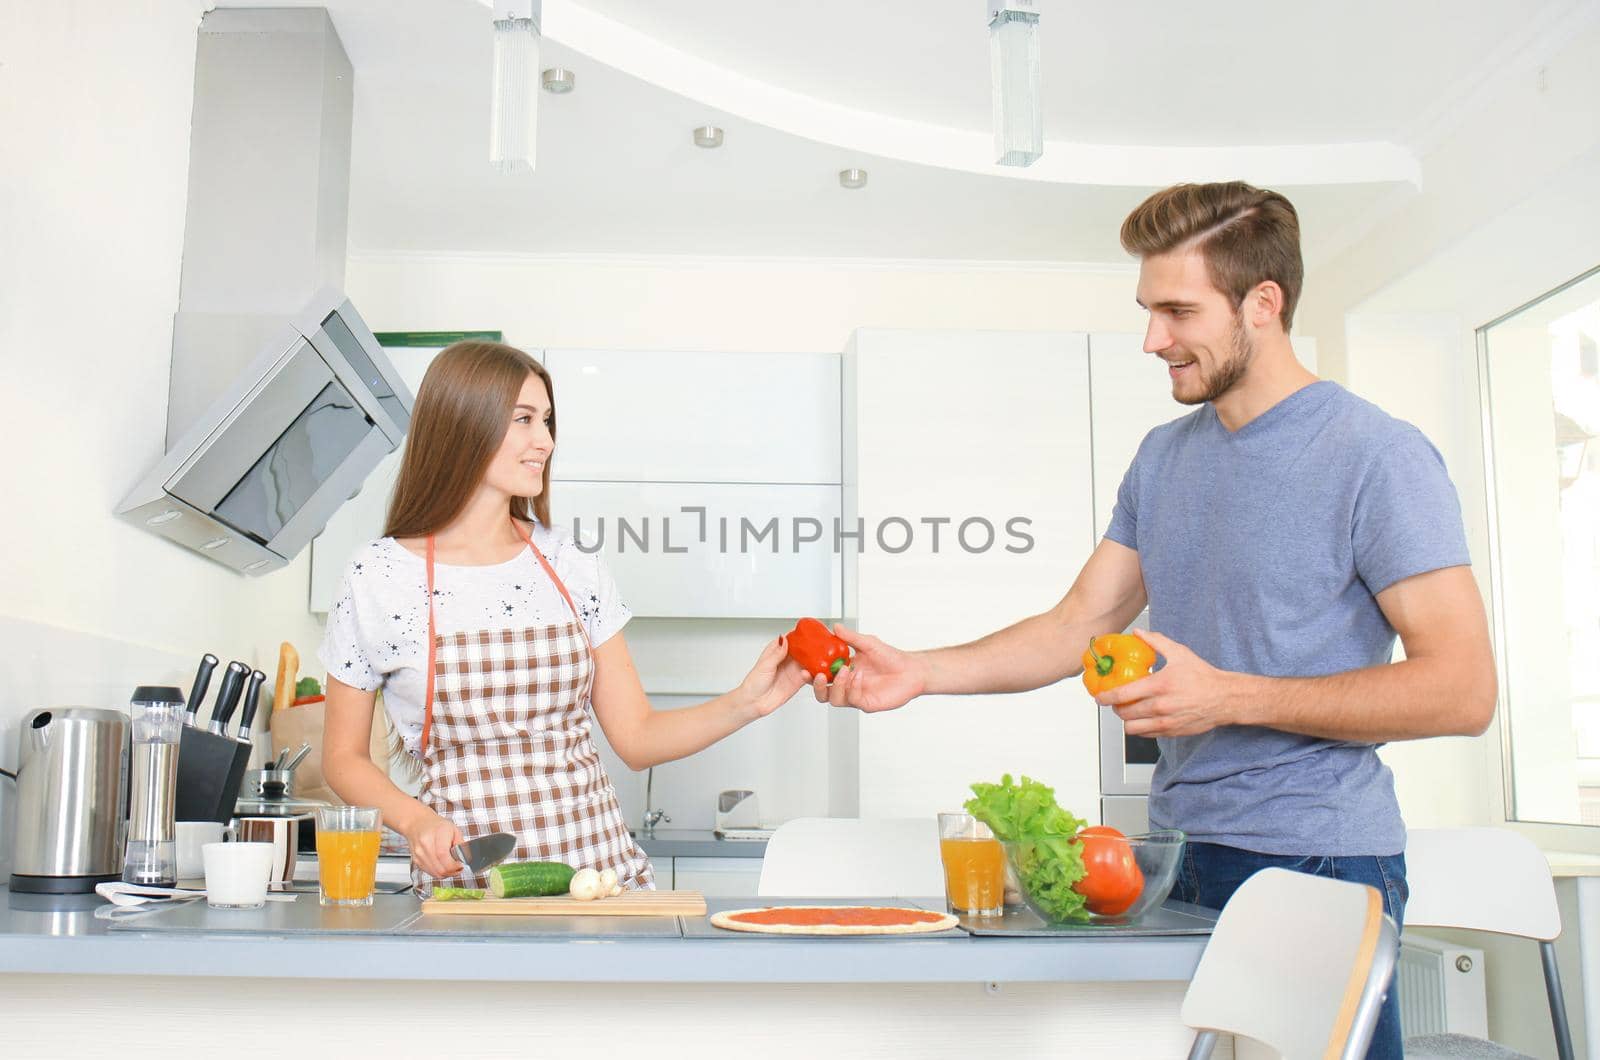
(1210, 873)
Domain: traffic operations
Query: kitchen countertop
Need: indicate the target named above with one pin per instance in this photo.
(693, 843)
(61, 935)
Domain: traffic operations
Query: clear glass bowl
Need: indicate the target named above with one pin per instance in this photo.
(1033, 860)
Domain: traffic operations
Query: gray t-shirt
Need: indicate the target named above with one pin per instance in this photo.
(1262, 550)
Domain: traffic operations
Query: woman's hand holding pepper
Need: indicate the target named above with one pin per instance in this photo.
(773, 680)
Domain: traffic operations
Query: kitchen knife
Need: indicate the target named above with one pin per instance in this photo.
(252, 700)
(227, 697)
(197, 691)
(485, 852)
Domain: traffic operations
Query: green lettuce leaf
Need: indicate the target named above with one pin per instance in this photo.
(1045, 850)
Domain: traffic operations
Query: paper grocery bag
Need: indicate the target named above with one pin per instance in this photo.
(294, 726)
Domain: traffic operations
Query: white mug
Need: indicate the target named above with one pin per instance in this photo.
(237, 874)
(191, 836)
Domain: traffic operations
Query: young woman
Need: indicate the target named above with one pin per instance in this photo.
(492, 634)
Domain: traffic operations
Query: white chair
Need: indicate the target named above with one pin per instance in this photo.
(1297, 963)
(843, 857)
(1485, 879)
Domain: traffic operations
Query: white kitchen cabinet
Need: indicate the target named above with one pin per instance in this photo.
(664, 873)
(750, 437)
(965, 426)
(646, 416)
(717, 877)
(754, 551)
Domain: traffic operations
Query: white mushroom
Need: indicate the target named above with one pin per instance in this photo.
(609, 888)
(585, 885)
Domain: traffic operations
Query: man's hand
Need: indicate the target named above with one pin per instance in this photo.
(1186, 697)
(879, 677)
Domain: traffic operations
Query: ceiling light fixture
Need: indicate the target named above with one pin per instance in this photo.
(708, 136)
(852, 178)
(1014, 82)
(558, 82)
(514, 99)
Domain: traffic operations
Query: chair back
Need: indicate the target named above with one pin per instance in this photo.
(1483, 879)
(1298, 963)
(846, 857)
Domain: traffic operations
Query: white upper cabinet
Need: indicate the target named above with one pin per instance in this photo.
(630, 416)
(979, 429)
(740, 551)
(752, 438)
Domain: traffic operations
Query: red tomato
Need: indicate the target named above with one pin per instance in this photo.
(1112, 881)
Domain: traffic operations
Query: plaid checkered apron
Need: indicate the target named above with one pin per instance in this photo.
(510, 749)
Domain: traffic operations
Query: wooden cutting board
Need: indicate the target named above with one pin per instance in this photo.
(629, 903)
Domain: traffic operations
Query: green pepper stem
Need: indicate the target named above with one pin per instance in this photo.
(1102, 663)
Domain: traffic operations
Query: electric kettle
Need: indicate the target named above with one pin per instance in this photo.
(72, 800)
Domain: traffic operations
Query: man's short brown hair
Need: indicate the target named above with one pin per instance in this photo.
(1246, 236)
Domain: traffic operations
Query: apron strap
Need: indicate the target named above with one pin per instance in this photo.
(427, 716)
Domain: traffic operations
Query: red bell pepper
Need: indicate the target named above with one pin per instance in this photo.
(817, 650)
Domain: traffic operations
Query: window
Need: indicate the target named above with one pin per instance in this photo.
(1540, 371)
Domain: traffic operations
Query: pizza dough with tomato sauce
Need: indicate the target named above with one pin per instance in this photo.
(833, 920)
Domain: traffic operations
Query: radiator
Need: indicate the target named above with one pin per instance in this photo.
(1441, 988)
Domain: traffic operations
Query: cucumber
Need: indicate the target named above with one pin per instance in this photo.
(530, 879)
(456, 894)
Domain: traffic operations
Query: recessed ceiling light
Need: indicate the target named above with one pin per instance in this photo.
(852, 178)
(558, 81)
(708, 136)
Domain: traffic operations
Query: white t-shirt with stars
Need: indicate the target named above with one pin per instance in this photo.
(377, 635)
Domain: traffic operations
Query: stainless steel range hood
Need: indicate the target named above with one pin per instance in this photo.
(280, 400)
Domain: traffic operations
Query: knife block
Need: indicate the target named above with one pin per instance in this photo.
(210, 769)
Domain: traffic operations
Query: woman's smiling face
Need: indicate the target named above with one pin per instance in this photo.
(518, 466)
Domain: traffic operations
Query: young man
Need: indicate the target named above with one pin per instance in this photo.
(1282, 534)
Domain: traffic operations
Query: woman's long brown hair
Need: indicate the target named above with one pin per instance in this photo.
(462, 413)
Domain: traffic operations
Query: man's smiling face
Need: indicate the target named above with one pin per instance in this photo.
(1194, 327)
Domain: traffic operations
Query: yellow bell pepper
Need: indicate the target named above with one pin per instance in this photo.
(1116, 659)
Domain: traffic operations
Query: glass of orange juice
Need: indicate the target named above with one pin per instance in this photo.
(974, 866)
(347, 853)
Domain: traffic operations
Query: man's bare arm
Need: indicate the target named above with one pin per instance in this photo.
(1041, 650)
(1107, 595)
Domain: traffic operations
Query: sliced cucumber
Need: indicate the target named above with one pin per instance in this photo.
(530, 879)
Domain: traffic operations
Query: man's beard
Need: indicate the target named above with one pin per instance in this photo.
(1241, 351)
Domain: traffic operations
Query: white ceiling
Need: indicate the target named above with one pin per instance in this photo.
(618, 174)
(1154, 72)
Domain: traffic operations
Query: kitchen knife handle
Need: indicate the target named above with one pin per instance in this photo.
(252, 700)
(228, 697)
(197, 691)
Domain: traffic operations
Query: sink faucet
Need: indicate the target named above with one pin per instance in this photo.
(652, 817)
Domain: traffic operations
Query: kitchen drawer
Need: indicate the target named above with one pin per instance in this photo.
(725, 877)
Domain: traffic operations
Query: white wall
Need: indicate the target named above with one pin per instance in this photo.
(90, 243)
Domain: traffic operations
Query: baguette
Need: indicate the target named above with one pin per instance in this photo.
(288, 672)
